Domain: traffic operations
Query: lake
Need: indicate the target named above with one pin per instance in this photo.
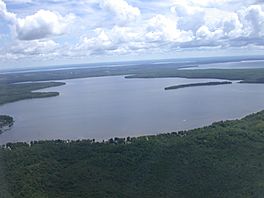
(106, 107)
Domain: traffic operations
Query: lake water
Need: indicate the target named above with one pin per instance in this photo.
(107, 107)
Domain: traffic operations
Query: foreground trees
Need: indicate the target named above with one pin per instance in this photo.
(225, 159)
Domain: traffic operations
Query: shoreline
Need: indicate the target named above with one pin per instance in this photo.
(197, 85)
(115, 139)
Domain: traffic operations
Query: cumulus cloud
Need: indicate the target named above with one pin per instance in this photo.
(186, 15)
(162, 28)
(35, 47)
(207, 22)
(5, 14)
(96, 44)
(121, 9)
(253, 19)
(114, 27)
(41, 49)
(42, 24)
(117, 40)
(187, 24)
(154, 33)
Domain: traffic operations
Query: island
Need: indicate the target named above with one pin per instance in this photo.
(6, 122)
(197, 85)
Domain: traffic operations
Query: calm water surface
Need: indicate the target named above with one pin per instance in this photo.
(107, 107)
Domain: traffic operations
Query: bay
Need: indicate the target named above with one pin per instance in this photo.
(106, 107)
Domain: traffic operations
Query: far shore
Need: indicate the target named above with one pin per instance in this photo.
(197, 85)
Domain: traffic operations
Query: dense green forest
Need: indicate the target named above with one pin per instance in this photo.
(15, 92)
(197, 85)
(225, 159)
(243, 75)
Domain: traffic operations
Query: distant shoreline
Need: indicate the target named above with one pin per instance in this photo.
(197, 85)
(185, 62)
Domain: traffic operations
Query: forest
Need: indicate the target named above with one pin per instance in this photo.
(12, 92)
(225, 159)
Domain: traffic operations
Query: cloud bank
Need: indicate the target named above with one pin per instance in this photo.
(128, 27)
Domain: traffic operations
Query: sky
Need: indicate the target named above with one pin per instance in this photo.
(54, 32)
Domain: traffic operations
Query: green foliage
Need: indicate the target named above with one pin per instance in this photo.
(16, 92)
(225, 159)
(244, 75)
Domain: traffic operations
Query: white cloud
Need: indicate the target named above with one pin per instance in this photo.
(97, 44)
(210, 20)
(162, 28)
(122, 10)
(186, 25)
(114, 27)
(227, 22)
(42, 24)
(35, 47)
(117, 40)
(203, 33)
(5, 14)
(30, 49)
(189, 17)
(253, 19)
(154, 33)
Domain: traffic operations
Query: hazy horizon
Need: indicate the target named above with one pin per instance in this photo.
(195, 60)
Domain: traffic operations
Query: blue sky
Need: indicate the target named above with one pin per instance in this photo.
(51, 32)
